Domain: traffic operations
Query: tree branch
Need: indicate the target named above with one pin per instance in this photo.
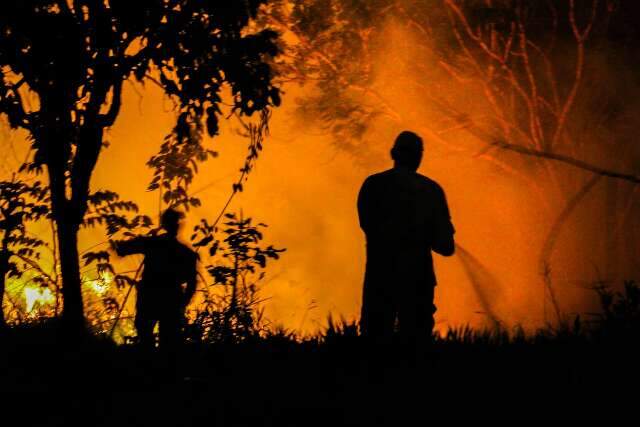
(12, 105)
(580, 39)
(36, 267)
(108, 119)
(635, 179)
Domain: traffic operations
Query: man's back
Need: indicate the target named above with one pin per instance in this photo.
(168, 263)
(406, 210)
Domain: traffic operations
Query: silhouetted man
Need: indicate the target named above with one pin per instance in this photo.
(168, 265)
(404, 216)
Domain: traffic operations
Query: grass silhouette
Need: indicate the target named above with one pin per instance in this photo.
(333, 378)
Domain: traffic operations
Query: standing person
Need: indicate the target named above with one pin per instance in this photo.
(161, 297)
(404, 216)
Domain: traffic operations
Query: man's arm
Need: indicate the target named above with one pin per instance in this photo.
(136, 245)
(442, 232)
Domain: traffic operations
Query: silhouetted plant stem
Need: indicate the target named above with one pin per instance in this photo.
(124, 301)
(233, 304)
(4, 267)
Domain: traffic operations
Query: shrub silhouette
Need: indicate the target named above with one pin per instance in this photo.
(237, 266)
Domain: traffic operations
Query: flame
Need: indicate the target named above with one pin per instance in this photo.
(37, 297)
(101, 285)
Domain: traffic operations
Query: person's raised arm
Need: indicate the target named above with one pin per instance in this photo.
(442, 232)
(129, 247)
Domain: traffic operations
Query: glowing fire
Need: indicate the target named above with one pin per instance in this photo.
(37, 297)
(101, 285)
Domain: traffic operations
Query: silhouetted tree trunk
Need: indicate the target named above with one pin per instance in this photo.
(72, 290)
(69, 194)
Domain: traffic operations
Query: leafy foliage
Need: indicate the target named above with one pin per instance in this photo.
(177, 163)
(192, 49)
(106, 208)
(120, 218)
(73, 56)
(20, 203)
(237, 266)
(332, 54)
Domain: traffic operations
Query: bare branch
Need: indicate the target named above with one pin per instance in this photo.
(635, 179)
(537, 132)
(509, 75)
(581, 36)
(550, 73)
(467, 27)
(34, 265)
(568, 104)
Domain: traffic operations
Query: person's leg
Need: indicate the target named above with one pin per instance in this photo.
(416, 317)
(144, 321)
(170, 326)
(377, 315)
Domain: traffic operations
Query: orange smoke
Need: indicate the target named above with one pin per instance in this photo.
(305, 188)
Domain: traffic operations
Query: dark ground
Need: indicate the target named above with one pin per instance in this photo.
(334, 381)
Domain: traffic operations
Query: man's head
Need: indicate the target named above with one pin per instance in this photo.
(407, 150)
(170, 221)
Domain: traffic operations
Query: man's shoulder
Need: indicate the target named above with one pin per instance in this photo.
(187, 252)
(376, 176)
(379, 177)
(171, 243)
(429, 183)
(391, 177)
